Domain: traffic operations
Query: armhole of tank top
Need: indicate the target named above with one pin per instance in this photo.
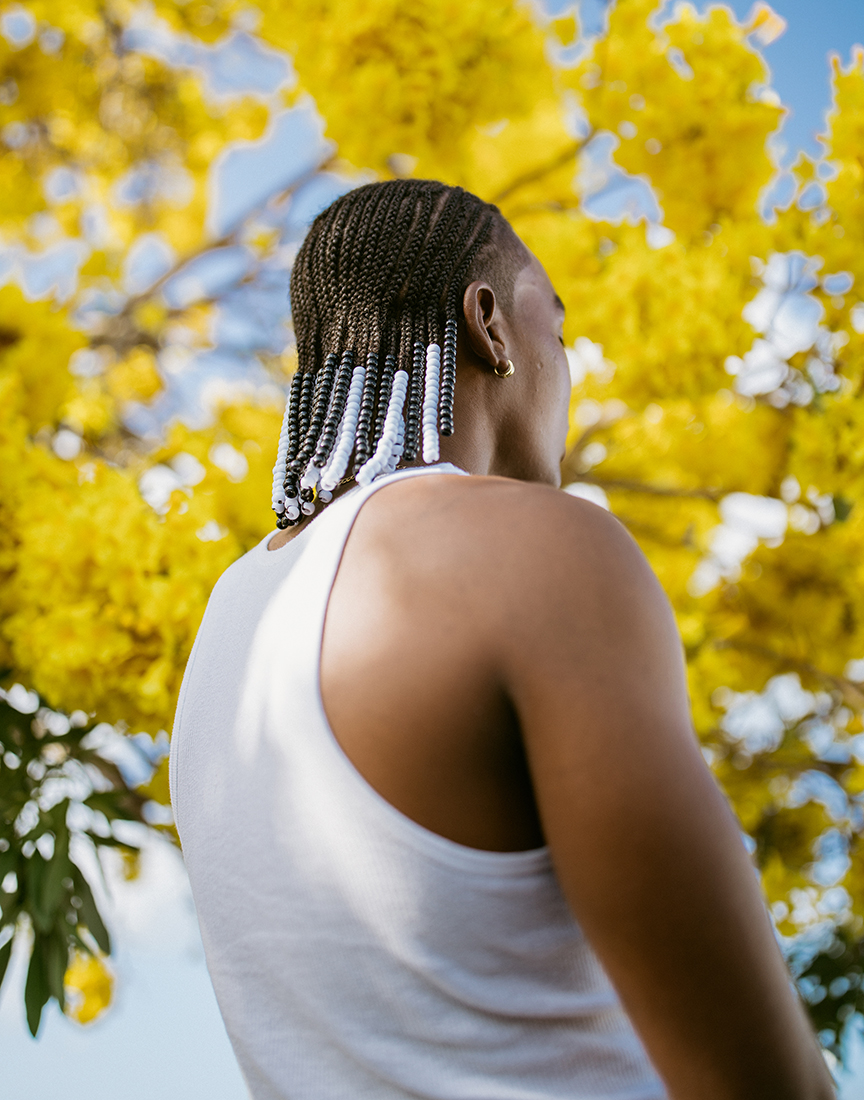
(176, 745)
(474, 860)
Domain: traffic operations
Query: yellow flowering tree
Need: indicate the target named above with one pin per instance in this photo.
(716, 346)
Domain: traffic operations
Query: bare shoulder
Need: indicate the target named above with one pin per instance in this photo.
(512, 519)
(499, 537)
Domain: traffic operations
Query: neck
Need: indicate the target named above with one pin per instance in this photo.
(470, 452)
(474, 444)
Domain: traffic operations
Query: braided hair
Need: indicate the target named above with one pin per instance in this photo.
(376, 297)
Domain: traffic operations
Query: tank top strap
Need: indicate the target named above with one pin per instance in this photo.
(315, 571)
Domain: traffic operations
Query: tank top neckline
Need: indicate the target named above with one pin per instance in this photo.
(379, 483)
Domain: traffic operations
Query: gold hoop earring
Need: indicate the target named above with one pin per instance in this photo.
(504, 373)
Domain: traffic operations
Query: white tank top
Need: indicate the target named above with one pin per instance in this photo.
(355, 954)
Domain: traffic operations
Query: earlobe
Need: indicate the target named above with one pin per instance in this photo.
(482, 323)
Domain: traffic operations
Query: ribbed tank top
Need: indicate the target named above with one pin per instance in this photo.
(355, 954)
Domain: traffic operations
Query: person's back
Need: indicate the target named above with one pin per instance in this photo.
(364, 801)
(354, 952)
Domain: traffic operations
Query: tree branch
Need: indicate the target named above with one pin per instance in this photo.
(535, 174)
(118, 327)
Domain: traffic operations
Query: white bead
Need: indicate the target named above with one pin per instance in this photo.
(281, 453)
(307, 507)
(383, 456)
(430, 404)
(311, 477)
(335, 469)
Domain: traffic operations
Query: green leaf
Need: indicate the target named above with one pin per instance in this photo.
(5, 954)
(35, 872)
(111, 842)
(36, 991)
(59, 866)
(10, 908)
(104, 801)
(53, 892)
(8, 861)
(56, 962)
(89, 913)
(842, 508)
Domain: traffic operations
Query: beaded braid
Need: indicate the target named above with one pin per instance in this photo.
(448, 377)
(337, 407)
(298, 418)
(390, 202)
(430, 404)
(320, 401)
(419, 321)
(415, 399)
(287, 445)
(367, 408)
(447, 369)
(378, 279)
(384, 395)
(370, 321)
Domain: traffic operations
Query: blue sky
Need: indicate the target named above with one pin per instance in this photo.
(799, 59)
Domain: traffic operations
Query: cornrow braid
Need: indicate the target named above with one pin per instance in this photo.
(377, 283)
(369, 322)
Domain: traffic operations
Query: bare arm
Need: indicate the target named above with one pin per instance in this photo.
(645, 847)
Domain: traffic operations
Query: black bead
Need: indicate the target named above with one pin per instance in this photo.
(384, 392)
(337, 407)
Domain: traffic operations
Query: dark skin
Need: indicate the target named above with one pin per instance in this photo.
(500, 663)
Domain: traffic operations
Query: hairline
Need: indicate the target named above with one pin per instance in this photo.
(500, 261)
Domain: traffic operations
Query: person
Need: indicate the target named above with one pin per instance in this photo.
(447, 825)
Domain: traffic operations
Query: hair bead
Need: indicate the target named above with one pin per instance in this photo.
(367, 408)
(278, 493)
(341, 454)
(308, 386)
(335, 409)
(384, 392)
(378, 463)
(448, 376)
(415, 402)
(430, 404)
(321, 401)
(288, 443)
(398, 449)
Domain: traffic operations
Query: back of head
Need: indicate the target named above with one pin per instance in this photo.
(376, 295)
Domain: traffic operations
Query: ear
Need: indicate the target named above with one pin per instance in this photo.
(483, 322)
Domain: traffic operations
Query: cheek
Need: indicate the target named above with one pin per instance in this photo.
(562, 396)
(559, 379)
